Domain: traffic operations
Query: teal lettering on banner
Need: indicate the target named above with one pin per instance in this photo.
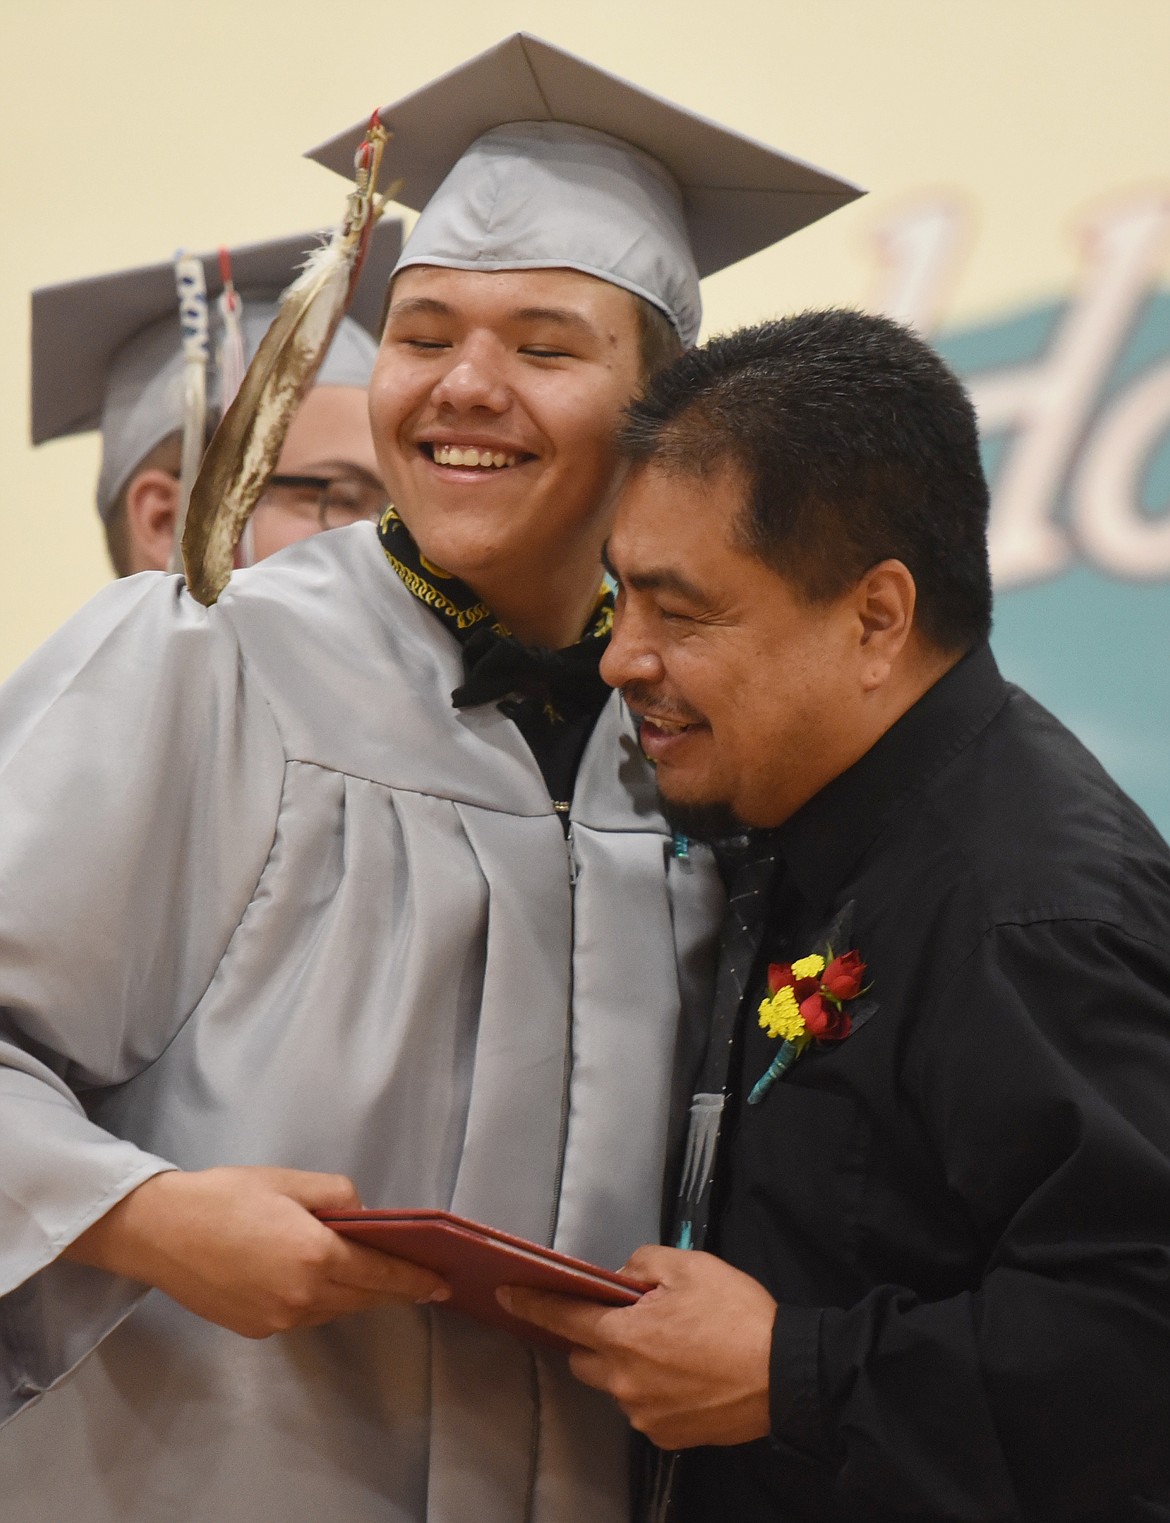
(1073, 398)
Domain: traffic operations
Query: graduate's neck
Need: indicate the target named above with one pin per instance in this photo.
(540, 607)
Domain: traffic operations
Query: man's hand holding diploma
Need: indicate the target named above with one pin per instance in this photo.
(688, 1364)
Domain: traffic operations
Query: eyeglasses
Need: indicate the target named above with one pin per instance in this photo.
(331, 502)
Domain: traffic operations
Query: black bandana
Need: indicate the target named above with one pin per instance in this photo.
(553, 696)
(495, 664)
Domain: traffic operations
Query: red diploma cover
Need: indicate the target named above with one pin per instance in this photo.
(474, 1260)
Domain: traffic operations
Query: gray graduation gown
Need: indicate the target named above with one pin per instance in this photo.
(266, 897)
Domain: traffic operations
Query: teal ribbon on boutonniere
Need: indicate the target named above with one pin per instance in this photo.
(817, 998)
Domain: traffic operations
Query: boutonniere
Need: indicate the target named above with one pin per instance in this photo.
(814, 999)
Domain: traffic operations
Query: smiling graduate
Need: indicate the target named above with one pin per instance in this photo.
(359, 889)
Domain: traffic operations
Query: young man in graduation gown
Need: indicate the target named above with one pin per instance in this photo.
(942, 1189)
(354, 885)
(107, 354)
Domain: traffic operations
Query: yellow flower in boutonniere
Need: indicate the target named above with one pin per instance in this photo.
(780, 1015)
(806, 999)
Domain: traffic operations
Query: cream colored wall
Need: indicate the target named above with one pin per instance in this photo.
(132, 127)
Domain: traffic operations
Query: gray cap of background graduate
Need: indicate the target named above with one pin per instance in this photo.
(528, 157)
(107, 351)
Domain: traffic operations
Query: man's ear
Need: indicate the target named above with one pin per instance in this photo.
(885, 599)
(152, 504)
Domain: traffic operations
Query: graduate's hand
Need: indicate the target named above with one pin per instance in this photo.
(240, 1247)
(688, 1364)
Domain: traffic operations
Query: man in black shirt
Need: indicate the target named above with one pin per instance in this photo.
(941, 1196)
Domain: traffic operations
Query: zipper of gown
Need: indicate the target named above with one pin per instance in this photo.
(572, 863)
(566, 1083)
(567, 1074)
(562, 811)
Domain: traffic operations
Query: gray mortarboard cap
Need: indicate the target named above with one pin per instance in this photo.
(529, 157)
(107, 351)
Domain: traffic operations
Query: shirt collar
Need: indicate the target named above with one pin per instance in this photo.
(827, 837)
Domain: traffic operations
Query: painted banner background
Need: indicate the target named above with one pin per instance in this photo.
(1073, 395)
(1018, 157)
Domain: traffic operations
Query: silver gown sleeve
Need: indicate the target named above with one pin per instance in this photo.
(139, 789)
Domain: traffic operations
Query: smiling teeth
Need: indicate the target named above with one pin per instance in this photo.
(449, 454)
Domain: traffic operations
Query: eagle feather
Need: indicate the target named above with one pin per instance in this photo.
(246, 446)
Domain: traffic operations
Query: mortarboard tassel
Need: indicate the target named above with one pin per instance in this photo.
(247, 443)
(231, 358)
(192, 290)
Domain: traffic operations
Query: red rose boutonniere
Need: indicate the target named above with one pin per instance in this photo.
(815, 998)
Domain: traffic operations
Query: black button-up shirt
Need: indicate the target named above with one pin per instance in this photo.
(963, 1208)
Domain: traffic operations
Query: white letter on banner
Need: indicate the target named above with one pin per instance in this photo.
(919, 251)
(1113, 531)
(1047, 403)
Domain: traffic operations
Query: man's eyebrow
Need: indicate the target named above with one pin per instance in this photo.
(663, 579)
(657, 579)
(339, 467)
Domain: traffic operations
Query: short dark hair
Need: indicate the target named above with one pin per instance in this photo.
(857, 445)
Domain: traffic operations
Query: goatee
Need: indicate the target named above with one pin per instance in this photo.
(714, 821)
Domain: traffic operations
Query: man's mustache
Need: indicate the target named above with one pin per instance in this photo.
(644, 700)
